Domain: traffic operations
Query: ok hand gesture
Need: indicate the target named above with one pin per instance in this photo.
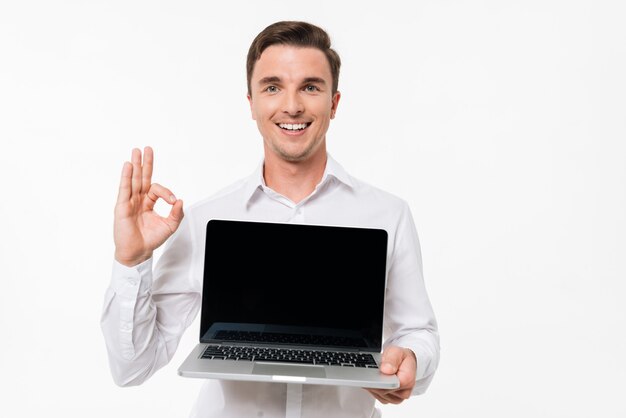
(138, 230)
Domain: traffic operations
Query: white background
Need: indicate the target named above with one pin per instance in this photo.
(502, 123)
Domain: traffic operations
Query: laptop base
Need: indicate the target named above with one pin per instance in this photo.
(196, 367)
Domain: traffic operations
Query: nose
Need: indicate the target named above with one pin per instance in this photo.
(292, 104)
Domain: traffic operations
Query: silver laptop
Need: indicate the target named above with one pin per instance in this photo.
(292, 303)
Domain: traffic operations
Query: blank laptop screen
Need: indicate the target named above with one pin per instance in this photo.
(293, 284)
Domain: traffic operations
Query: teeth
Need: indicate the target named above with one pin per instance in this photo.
(293, 127)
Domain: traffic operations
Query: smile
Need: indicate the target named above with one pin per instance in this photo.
(293, 126)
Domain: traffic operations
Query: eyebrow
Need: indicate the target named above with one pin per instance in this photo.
(268, 80)
(275, 79)
(314, 80)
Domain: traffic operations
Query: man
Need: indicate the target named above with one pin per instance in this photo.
(292, 92)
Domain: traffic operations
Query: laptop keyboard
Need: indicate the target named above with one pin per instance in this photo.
(287, 355)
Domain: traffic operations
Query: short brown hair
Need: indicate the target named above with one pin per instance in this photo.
(293, 33)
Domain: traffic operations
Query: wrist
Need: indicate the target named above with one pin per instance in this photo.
(131, 261)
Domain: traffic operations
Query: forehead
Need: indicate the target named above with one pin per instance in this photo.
(291, 63)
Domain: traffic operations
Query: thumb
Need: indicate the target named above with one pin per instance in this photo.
(391, 360)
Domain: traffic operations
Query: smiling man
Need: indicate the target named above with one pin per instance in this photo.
(292, 108)
(293, 94)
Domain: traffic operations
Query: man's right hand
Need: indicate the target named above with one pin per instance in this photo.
(138, 230)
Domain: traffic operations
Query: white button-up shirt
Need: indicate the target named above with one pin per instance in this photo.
(145, 313)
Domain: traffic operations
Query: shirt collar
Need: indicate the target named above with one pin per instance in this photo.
(253, 183)
(333, 169)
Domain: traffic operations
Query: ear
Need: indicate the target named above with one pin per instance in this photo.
(252, 113)
(334, 104)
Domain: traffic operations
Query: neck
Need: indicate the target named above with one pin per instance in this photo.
(294, 180)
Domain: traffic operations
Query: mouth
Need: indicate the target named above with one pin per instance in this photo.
(293, 127)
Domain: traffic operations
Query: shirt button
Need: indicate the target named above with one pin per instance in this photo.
(132, 282)
(127, 326)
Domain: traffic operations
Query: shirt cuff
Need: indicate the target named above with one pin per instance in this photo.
(128, 282)
(427, 362)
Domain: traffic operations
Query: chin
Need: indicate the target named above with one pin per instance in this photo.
(294, 157)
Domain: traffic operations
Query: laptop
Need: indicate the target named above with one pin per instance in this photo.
(292, 303)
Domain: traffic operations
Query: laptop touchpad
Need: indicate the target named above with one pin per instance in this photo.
(287, 370)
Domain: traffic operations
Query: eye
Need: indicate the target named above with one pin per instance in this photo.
(271, 89)
(311, 88)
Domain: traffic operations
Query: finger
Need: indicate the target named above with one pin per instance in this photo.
(389, 397)
(379, 398)
(146, 171)
(155, 192)
(176, 215)
(403, 394)
(393, 398)
(393, 395)
(386, 392)
(125, 189)
(380, 392)
(136, 179)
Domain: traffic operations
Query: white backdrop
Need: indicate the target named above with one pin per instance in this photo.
(500, 122)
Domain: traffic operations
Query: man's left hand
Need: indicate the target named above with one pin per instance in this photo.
(401, 362)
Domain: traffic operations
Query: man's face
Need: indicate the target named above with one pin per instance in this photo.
(291, 100)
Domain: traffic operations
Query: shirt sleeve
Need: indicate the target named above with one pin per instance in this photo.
(145, 313)
(409, 318)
